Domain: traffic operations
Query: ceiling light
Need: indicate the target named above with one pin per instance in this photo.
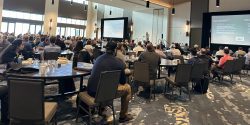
(71, 2)
(52, 2)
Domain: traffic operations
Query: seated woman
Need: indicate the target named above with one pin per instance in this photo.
(11, 55)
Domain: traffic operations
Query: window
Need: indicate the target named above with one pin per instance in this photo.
(18, 29)
(26, 27)
(58, 31)
(4, 27)
(62, 31)
(32, 29)
(81, 32)
(22, 15)
(68, 31)
(11, 28)
(68, 21)
(38, 29)
(73, 32)
(77, 32)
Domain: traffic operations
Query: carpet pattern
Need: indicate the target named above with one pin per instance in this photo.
(223, 104)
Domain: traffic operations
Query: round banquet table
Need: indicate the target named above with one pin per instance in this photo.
(62, 71)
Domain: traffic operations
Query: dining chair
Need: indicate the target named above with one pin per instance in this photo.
(51, 55)
(4, 103)
(104, 95)
(181, 79)
(26, 102)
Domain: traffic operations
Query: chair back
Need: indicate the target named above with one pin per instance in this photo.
(107, 86)
(238, 65)
(183, 73)
(181, 58)
(51, 55)
(141, 72)
(139, 53)
(197, 71)
(228, 66)
(26, 100)
(84, 56)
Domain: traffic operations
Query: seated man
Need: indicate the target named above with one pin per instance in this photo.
(205, 58)
(108, 62)
(222, 61)
(52, 47)
(153, 59)
(194, 59)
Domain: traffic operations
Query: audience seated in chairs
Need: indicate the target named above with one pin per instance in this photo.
(138, 48)
(159, 51)
(240, 52)
(153, 60)
(222, 61)
(108, 62)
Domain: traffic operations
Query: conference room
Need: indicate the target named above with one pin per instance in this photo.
(124, 62)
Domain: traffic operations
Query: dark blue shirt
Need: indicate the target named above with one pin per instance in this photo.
(105, 62)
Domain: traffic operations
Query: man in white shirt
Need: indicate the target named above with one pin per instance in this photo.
(159, 51)
(138, 48)
(175, 52)
(220, 52)
(52, 47)
(248, 57)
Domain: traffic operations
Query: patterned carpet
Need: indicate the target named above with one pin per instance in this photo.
(223, 104)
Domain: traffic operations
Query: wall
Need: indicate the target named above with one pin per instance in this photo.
(142, 23)
(177, 23)
(1, 9)
(31, 6)
(75, 11)
(116, 12)
(229, 5)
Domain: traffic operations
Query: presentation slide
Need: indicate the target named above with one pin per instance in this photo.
(113, 28)
(231, 29)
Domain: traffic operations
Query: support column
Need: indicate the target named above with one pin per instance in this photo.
(91, 20)
(1, 11)
(50, 17)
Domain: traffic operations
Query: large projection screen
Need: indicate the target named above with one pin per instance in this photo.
(231, 29)
(113, 28)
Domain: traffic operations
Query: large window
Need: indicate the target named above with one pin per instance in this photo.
(4, 27)
(71, 21)
(69, 31)
(22, 15)
(11, 28)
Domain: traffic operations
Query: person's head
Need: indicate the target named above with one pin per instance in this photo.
(79, 46)
(119, 46)
(110, 47)
(158, 47)
(25, 38)
(203, 51)
(139, 44)
(31, 38)
(221, 48)
(150, 48)
(226, 51)
(196, 46)
(194, 52)
(240, 48)
(18, 45)
(186, 44)
(52, 39)
(68, 38)
(88, 42)
(11, 39)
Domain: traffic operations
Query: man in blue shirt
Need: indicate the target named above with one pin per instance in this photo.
(108, 62)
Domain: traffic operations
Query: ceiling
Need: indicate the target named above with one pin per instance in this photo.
(137, 5)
